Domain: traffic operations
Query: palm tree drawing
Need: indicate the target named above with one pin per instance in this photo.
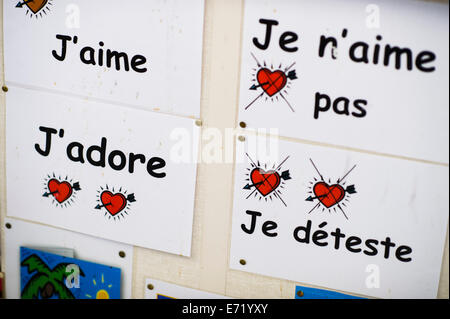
(46, 282)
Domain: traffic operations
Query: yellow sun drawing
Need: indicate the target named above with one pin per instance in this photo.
(102, 292)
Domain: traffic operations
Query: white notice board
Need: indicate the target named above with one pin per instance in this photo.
(145, 53)
(338, 219)
(371, 75)
(100, 169)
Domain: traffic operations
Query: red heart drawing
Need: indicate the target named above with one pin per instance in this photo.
(271, 82)
(114, 203)
(36, 5)
(265, 182)
(60, 191)
(329, 195)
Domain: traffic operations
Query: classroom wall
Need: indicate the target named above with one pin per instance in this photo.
(207, 269)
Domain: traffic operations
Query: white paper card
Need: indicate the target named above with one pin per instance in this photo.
(69, 253)
(156, 44)
(165, 290)
(24, 234)
(308, 81)
(342, 220)
(100, 169)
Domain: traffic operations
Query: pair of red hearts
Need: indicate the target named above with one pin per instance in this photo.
(268, 182)
(62, 191)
